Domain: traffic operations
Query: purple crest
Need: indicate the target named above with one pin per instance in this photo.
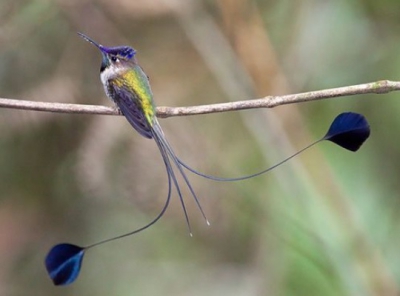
(121, 51)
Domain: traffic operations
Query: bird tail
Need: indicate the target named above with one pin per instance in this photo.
(168, 155)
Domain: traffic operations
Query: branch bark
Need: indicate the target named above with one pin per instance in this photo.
(378, 87)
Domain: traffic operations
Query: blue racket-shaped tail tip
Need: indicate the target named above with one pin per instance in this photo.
(63, 263)
(348, 130)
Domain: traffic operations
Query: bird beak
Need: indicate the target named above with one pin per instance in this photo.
(103, 50)
(99, 46)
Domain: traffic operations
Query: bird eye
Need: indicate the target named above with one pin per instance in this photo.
(114, 59)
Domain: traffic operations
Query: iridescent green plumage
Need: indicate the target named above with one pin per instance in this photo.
(135, 81)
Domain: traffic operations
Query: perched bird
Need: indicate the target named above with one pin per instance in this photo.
(126, 84)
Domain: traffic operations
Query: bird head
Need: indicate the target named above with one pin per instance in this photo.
(114, 58)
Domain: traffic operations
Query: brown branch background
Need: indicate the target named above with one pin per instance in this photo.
(378, 87)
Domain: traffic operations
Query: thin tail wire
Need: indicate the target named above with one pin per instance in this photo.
(149, 224)
(165, 150)
(164, 142)
(160, 140)
(221, 179)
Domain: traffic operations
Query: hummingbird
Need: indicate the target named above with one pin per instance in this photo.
(127, 85)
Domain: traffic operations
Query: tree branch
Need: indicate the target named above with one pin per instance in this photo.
(378, 87)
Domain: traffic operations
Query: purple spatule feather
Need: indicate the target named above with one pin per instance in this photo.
(63, 263)
(348, 130)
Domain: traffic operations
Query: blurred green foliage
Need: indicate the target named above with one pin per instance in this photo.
(325, 224)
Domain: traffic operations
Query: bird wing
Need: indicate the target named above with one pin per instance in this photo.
(130, 107)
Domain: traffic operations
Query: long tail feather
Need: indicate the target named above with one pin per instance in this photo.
(159, 139)
(348, 130)
(221, 179)
(162, 142)
(168, 169)
(64, 261)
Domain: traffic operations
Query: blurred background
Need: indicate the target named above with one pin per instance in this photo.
(326, 223)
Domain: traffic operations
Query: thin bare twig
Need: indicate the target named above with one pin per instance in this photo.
(378, 87)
